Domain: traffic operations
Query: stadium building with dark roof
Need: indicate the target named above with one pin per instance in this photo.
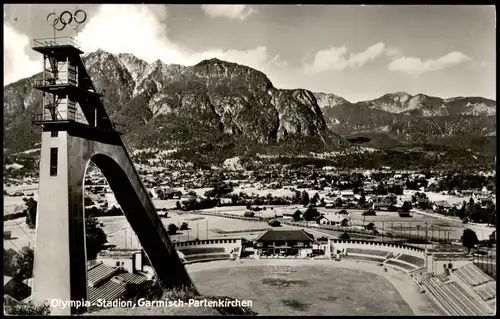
(295, 242)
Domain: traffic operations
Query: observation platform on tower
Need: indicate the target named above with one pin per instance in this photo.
(69, 95)
(66, 46)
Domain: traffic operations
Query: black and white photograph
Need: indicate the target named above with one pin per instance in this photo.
(249, 160)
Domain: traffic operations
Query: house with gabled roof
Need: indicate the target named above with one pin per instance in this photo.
(15, 288)
(109, 283)
(290, 242)
(334, 219)
(442, 204)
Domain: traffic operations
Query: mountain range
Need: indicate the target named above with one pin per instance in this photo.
(400, 118)
(236, 109)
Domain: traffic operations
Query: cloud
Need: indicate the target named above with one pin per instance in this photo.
(141, 30)
(416, 66)
(258, 58)
(481, 65)
(393, 52)
(336, 59)
(17, 63)
(137, 29)
(233, 11)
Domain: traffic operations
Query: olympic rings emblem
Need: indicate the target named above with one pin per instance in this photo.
(66, 18)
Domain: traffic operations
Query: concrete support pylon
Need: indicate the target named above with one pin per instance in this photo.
(60, 268)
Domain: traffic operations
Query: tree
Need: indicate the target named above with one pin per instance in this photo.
(345, 236)
(406, 206)
(219, 190)
(28, 309)
(95, 237)
(113, 211)
(311, 214)
(338, 202)
(178, 205)
(315, 199)
(297, 215)
(362, 201)
(172, 229)
(322, 202)
(23, 263)
(304, 198)
(296, 197)
(9, 268)
(369, 212)
(249, 214)
(87, 201)
(490, 213)
(31, 206)
(380, 189)
(94, 211)
(453, 211)
(493, 236)
(235, 198)
(469, 239)
(471, 202)
(370, 226)
(159, 193)
(274, 223)
(184, 226)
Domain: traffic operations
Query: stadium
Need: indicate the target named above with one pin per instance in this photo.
(345, 277)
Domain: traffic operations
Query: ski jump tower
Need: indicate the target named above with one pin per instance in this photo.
(76, 130)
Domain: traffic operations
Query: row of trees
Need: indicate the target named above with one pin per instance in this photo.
(194, 204)
(469, 211)
(172, 228)
(466, 181)
(473, 212)
(18, 264)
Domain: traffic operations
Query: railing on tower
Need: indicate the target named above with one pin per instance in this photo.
(62, 78)
(53, 42)
(46, 116)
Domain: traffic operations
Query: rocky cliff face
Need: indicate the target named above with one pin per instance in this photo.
(429, 106)
(173, 105)
(415, 119)
(329, 99)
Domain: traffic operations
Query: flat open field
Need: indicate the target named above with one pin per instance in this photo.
(389, 221)
(392, 222)
(269, 212)
(307, 290)
(21, 235)
(120, 233)
(13, 204)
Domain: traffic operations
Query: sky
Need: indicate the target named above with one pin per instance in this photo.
(359, 52)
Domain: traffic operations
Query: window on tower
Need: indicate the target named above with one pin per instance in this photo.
(53, 161)
(54, 134)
